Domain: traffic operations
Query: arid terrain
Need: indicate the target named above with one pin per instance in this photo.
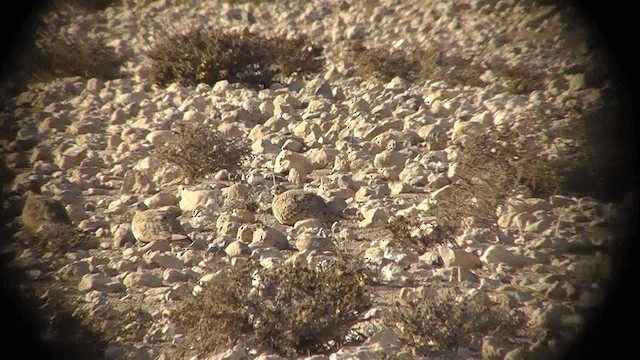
(470, 189)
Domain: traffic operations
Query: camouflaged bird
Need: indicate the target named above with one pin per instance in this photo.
(291, 206)
(150, 225)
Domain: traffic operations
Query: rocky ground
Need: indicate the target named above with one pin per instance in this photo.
(388, 148)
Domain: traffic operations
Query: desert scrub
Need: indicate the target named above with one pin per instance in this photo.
(490, 168)
(87, 5)
(200, 150)
(62, 329)
(419, 64)
(57, 239)
(210, 55)
(443, 321)
(519, 80)
(249, 202)
(57, 53)
(88, 58)
(409, 232)
(293, 309)
(382, 63)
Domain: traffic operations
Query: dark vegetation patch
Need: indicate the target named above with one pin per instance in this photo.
(57, 53)
(87, 5)
(596, 163)
(519, 80)
(58, 239)
(486, 174)
(433, 325)
(408, 234)
(84, 56)
(419, 64)
(292, 309)
(211, 55)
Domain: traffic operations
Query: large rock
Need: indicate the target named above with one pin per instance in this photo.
(321, 158)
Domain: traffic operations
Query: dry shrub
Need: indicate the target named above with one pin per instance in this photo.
(382, 63)
(407, 233)
(50, 312)
(211, 55)
(292, 309)
(492, 167)
(420, 64)
(250, 202)
(436, 65)
(57, 54)
(58, 239)
(200, 150)
(87, 5)
(486, 176)
(519, 80)
(64, 331)
(87, 57)
(434, 325)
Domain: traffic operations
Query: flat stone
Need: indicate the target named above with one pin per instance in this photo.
(160, 199)
(157, 246)
(238, 352)
(123, 235)
(384, 338)
(287, 160)
(313, 242)
(146, 279)
(99, 282)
